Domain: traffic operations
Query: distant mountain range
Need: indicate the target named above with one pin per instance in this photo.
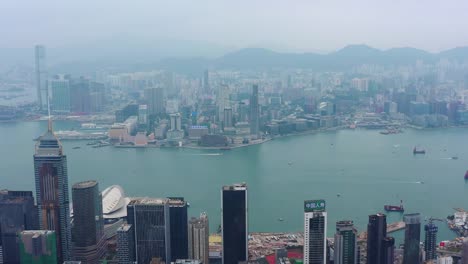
(248, 58)
(349, 56)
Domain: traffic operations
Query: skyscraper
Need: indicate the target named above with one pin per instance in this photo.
(315, 232)
(154, 98)
(125, 245)
(38, 247)
(206, 82)
(198, 237)
(430, 241)
(376, 233)
(345, 243)
(61, 97)
(80, 95)
(179, 228)
(88, 240)
(51, 177)
(412, 238)
(254, 111)
(388, 250)
(228, 117)
(41, 77)
(17, 213)
(150, 219)
(234, 223)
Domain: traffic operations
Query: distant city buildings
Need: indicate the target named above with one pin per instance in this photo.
(315, 232)
(198, 237)
(41, 77)
(51, 177)
(61, 96)
(234, 223)
(154, 98)
(254, 112)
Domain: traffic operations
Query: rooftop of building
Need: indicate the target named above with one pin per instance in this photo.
(148, 201)
(8, 196)
(236, 187)
(37, 232)
(177, 201)
(84, 184)
(124, 228)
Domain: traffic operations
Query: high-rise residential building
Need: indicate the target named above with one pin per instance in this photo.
(179, 227)
(206, 82)
(222, 101)
(430, 241)
(412, 238)
(41, 77)
(346, 248)
(97, 97)
(150, 218)
(88, 240)
(176, 122)
(51, 177)
(228, 117)
(376, 233)
(254, 111)
(61, 97)
(17, 213)
(38, 247)
(142, 114)
(80, 95)
(315, 232)
(198, 237)
(125, 245)
(388, 251)
(234, 223)
(154, 98)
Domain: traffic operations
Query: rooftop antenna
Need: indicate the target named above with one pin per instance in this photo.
(48, 111)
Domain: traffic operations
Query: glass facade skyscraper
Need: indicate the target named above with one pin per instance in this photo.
(150, 219)
(179, 228)
(376, 233)
(345, 243)
(234, 224)
(315, 232)
(412, 238)
(89, 243)
(51, 178)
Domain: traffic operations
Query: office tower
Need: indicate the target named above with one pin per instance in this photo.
(179, 227)
(206, 82)
(388, 251)
(198, 238)
(51, 177)
(222, 101)
(142, 114)
(125, 245)
(17, 213)
(254, 111)
(88, 240)
(151, 228)
(41, 77)
(61, 97)
(176, 122)
(412, 238)
(154, 98)
(234, 223)
(38, 247)
(80, 95)
(228, 117)
(345, 243)
(315, 232)
(430, 241)
(376, 232)
(97, 97)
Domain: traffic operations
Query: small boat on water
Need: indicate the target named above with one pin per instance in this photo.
(76, 147)
(417, 150)
(466, 175)
(280, 219)
(394, 208)
(454, 157)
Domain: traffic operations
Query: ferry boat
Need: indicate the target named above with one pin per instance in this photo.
(394, 208)
(418, 151)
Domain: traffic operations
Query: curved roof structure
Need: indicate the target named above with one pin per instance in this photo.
(113, 199)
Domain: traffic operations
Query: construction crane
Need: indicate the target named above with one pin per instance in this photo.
(432, 219)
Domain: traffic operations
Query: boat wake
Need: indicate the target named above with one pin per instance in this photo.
(207, 154)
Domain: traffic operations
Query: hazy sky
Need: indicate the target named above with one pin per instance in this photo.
(289, 25)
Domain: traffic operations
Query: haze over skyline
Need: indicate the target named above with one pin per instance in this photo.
(293, 26)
